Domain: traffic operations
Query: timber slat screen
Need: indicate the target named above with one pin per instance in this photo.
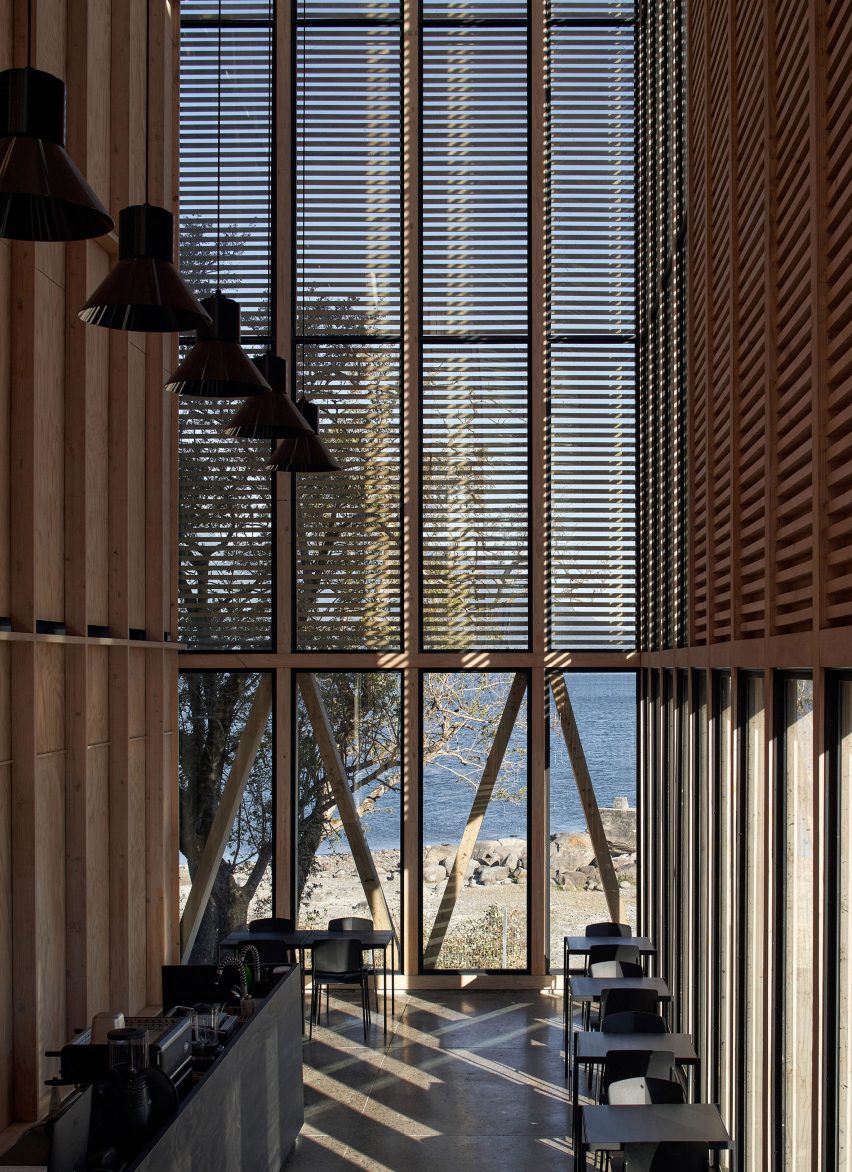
(476, 384)
(757, 817)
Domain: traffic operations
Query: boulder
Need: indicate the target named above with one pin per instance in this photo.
(434, 874)
(488, 851)
(570, 851)
(488, 875)
(511, 863)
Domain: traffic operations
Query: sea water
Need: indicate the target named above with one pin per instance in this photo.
(605, 709)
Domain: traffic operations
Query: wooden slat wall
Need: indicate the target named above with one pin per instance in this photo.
(88, 898)
(770, 318)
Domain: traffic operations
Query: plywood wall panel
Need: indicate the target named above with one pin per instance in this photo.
(5, 426)
(136, 489)
(5, 704)
(136, 877)
(80, 430)
(49, 409)
(98, 695)
(137, 693)
(50, 697)
(6, 947)
(97, 456)
(49, 912)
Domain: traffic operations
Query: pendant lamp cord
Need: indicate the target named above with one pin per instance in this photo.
(219, 153)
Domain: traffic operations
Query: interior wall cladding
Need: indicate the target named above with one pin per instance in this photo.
(770, 360)
(88, 909)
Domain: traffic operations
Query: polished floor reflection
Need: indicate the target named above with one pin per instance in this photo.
(464, 1080)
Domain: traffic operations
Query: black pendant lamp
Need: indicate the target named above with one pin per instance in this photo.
(273, 415)
(217, 367)
(307, 452)
(43, 195)
(144, 291)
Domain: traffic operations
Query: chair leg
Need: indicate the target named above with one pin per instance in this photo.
(313, 1009)
(365, 1003)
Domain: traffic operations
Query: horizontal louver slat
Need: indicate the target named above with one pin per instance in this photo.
(475, 528)
(348, 523)
(474, 164)
(225, 519)
(245, 165)
(348, 180)
(225, 527)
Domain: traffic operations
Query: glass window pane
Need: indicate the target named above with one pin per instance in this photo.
(348, 536)
(474, 917)
(601, 701)
(217, 710)
(593, 510)
(352, 834)
(225, 511)
(844, 984)
(475, 498)
(475, 197)
(348, 180)
(799, 980)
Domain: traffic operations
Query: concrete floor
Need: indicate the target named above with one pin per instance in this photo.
(464, 1081)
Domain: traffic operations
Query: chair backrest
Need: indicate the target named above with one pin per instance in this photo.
(608, 928)
(616, 1000)
(624, 1064)
(336, 957)
(350, 924)
(629, 1021)
(600, 952)
(616, 968)
(271, 924)
(645, 1090)
(666, 1157)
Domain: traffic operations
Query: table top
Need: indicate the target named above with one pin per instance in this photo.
(580, 945)
(304, 938)
(590, 988)
(593, 1045)
(610, 1128)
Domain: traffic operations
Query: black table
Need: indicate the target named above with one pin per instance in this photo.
(609, 1128)
(590, 989)
(592, 1046)
(372, 940)
(579, 946)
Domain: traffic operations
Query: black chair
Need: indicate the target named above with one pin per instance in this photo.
(338, 962)
(267, 950)
(616, 1000)
(629, 1064)
(666, 1157)
(600, 952)
(629, 1021)
(356, 924)
(608, 928)
(616, 968)
(641, 1092)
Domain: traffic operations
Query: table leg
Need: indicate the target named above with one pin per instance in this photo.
(385, 986)
(575, 1100)
(302, 969)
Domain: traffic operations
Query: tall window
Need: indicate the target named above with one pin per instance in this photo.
(441, 246)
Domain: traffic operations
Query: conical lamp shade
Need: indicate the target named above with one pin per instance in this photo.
(43, 196)
(217, 367)
(272, 416)
(304, 453)
(144, 291)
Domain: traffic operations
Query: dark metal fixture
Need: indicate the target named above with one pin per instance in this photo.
(144, 291)
(217, 367)
(43, 195)
(304, 453)
(273, 415)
